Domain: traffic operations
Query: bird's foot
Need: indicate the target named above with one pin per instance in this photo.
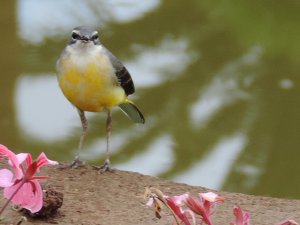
(76, 163)
(105, 167)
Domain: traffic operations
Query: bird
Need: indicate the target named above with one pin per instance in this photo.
(94, 80)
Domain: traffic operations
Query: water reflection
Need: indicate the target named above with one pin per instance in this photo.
(226, 88)
(43, 113)
(286, 84)
(218, 85)
(160, 152)
(39, 20)
(212, 170)
(160, 63)
(118, 141)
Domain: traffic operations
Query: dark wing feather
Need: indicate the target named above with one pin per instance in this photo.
(122, 74)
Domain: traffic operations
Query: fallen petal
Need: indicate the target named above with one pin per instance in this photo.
(150, 202)
(287, 222)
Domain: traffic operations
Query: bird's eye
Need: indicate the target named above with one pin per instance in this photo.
(75, 35)
(95, 36)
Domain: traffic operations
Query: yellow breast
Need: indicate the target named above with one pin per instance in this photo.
(89, 82)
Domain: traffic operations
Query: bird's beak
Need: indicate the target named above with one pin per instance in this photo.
(85, 39)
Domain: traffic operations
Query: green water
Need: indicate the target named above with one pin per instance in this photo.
(218, 82)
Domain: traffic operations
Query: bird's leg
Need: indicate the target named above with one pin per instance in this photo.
(108, 132)
(84, 124)
(77, 162)
(106, 166)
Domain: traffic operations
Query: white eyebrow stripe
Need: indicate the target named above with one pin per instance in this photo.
(76, 31)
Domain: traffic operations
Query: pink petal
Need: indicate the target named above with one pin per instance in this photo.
(202, 207)
(287, 222)
(6, 177)
(29, 159)
(195, 205)
(8, 191)
(211, 197)
(29, 196)
(21, 157)
(30, 171)
(177, 210)
(180, 199)
(190, 213)
(13, 160)
(42, 160)
(241, 217)
(36, 203)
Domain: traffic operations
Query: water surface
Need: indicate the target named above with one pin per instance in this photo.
(218, 83)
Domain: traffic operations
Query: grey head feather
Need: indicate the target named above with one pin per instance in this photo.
(84, 33)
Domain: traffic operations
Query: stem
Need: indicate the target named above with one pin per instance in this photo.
(12, 196)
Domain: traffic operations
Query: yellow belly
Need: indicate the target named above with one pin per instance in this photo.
(91, 88)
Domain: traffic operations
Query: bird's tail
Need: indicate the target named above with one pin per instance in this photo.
(132, 111)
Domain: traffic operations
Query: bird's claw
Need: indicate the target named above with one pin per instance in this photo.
(105, 167)
(76, 163)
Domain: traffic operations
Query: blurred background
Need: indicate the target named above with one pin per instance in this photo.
(218, 83)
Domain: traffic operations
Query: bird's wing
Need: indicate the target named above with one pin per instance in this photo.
(122, 74)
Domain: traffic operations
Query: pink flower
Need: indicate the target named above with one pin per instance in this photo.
(155, 199)
(203, 205)
(241, 217)
(22, 186)
(176, 204)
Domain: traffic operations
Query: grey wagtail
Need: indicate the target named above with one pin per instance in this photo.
(94, 80)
